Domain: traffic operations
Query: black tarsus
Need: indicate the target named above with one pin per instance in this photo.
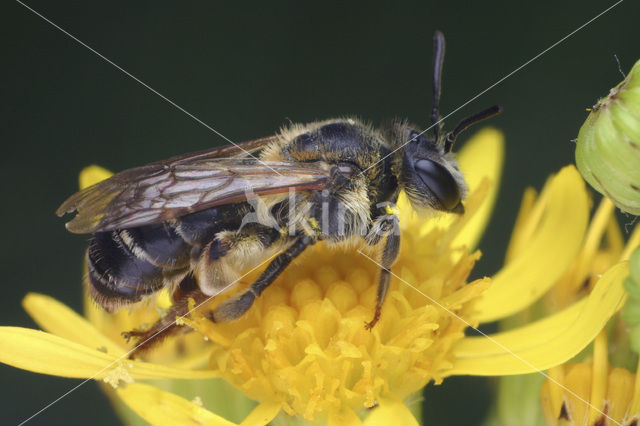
(389, 255)
(438, 60)
(166, 326)
(470, 121)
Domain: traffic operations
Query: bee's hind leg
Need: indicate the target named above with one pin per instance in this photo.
(166, 326)
(236, 306)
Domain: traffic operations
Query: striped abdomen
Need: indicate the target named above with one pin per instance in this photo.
(127, 265)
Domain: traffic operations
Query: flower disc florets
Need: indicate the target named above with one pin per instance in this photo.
(304, 343)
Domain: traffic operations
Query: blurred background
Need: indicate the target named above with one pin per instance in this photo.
(245, 70)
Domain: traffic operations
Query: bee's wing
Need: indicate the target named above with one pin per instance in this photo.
(239, 150)
(167, 190)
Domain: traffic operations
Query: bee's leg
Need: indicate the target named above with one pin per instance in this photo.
(236, 306)
(386, 228)
(166, 326)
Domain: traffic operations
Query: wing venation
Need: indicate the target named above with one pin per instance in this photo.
(167, 190)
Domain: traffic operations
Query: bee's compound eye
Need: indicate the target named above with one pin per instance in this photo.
(440, 182)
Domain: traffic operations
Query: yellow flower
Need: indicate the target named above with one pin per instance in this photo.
(302, 348)
(592, 392)
(602, 252)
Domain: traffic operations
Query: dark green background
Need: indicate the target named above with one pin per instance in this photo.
(246, 70)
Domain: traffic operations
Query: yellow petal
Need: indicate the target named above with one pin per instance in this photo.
(58, 319)
(635, 403)
(262, 414)
(46, 353)
(391, 412)
(164, 408)
(551, 394)
(598, 252)
(344, 417)
(549, 252)
(526, 223)
(93, 174)
(482, 157)
(546, 343)
(599, 376)
(538, 333)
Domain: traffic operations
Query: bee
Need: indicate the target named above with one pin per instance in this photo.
(195, 222)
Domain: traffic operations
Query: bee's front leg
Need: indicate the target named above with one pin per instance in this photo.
(385, 228)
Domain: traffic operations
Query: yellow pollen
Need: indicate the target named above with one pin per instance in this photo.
(303, 343)
(302, 347)
(314, 223)
(391, 210)
(118, 374)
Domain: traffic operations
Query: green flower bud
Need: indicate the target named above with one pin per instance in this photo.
(632, 283)
(631, 311)
(633, 288)
(608, 145)
(634, 336)
(634, 266)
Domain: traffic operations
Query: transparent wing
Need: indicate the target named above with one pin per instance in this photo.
(167, 190)
(239, 150)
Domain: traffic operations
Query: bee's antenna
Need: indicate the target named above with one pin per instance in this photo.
(470, 121)
(438, 59)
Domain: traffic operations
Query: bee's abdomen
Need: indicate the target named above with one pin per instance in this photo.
(198, 229)
(126, 265)
(159, 244)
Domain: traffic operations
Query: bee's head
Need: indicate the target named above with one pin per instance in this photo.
(428, 175)
(425, 167)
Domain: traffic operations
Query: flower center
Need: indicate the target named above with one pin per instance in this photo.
(304, 343)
